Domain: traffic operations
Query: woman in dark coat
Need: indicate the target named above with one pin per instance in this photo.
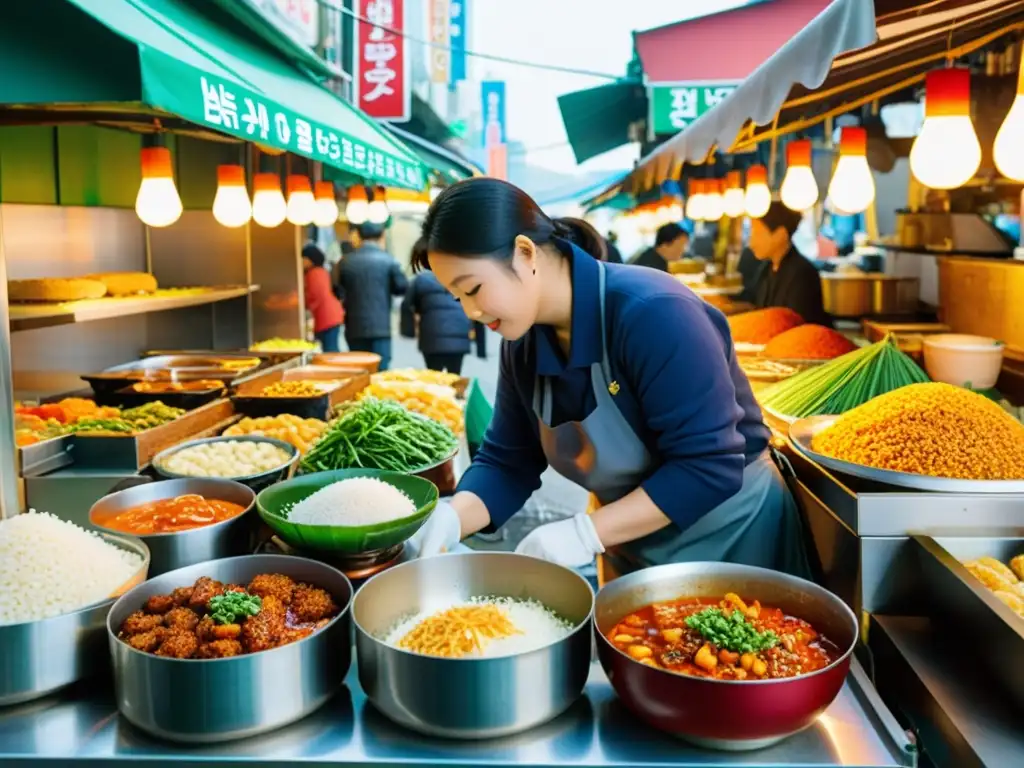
(443, 326)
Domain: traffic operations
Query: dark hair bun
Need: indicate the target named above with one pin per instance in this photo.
(581, 234)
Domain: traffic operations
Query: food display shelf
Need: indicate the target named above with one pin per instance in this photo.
(25, 317)
(932, 686)
(83, 725)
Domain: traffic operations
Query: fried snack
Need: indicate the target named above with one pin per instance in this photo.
(1017, 566)
(295, 389)
(148, 642)
(139, 622)
(268, 585)
(220, 649)
(125, 283)
(992, 578)
(995, 565)
(310, 604)
(181, 618)
(178, 644)
(55, 289)
(205, 589)
(1013, 600)
(159, 604)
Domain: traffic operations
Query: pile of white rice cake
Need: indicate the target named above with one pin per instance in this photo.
(49, 567)
(538, 626)
(353, 502)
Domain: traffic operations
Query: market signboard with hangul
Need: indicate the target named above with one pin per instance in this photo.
(382, 60)
(674, 106)
(235, 110)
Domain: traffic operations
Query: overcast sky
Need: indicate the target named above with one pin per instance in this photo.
(594, 35)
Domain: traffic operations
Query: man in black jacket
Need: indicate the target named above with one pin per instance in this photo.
(367, 279)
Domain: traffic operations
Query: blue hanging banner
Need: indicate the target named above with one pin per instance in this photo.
(457, 34)
(492, 92)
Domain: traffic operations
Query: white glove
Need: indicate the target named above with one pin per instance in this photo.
(441, 533)
(573, 542)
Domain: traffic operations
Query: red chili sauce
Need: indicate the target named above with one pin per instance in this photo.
(658, 635)
(182, 513)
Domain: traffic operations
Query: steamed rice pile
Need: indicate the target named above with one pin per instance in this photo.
(354, 502)
(50, 567)
(482, 627)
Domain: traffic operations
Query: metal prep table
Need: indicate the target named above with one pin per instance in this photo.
(82, 727)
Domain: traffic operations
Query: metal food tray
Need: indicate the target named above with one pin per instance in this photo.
(802, 432)
(45, 456)
(990, 632)
(184, 366)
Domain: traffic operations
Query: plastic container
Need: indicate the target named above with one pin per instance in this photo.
(964, 361)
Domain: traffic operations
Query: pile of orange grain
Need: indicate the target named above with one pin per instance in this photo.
(929, 429)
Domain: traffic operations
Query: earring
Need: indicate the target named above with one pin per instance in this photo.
(535, 271)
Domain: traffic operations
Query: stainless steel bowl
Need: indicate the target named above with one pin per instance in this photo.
(170, 551)
(40, 657)
(256, 482)
(205, 701)
(473, 698)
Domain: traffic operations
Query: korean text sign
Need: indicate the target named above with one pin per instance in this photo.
(674, 107)
(382, 60)
(492, 92)
(440, 56)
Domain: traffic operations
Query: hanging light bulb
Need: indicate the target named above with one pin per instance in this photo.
(326, 210)
(157, 203)
(695, 203)
(301, 203)
(713, 207)
(358, 206)
(757, 198)
(732, 200)
(675, 212)
(852, 188)
(231, 206)
(799, 190)
(378, 212)
(946, 153)
(1008, 150)
(268, 206)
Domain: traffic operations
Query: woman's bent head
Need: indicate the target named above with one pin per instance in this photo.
(495, 250)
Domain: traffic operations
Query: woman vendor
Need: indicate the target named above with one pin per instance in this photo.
(619, 378)
(788, 280)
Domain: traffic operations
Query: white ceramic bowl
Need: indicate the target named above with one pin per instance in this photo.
(964, 361)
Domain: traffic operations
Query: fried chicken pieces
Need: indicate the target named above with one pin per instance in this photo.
(179, 625)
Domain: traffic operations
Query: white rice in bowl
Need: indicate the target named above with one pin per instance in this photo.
(49, 567)
(353, 502)
(480, 628)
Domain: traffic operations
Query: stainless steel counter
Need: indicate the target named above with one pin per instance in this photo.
(597, 731)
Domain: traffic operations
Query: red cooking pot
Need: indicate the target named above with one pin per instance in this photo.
(724, 714)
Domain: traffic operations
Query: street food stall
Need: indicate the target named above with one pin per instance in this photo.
(903, 536)
(224, 577)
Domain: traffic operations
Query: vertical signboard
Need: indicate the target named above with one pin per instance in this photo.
(382, 60)
(492, 93)
(457, 39)
(439, 55)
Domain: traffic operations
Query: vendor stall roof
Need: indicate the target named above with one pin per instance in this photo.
(447, 162)
(725, 46)
(840, 61)
(170, 58)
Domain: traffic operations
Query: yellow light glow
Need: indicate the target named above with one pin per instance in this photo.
(1008, 150)
(799, 190)
(946, 153)
(268, 205)
(301, 206)
(695, 202)
(231, 205)
(852, 188)
(326, 210)
(758, 198)
(157, 203)
(713, 206)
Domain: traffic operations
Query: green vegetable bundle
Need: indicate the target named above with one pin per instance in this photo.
(380, 434)
(844, 383)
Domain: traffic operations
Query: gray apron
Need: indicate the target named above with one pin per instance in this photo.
(757, 526)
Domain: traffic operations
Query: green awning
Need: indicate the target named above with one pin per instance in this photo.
(598, 119)
(443, 161)
(207, 73)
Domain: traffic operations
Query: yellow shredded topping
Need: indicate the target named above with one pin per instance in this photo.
(459, 631)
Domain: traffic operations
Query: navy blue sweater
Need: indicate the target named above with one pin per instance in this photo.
(444, 327)
(681, 389)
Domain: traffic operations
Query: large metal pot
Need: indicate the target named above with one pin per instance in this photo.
(471, 698)
(857, 295)
(204, 701)
(170, 551)
(720, 714)
(40, 657)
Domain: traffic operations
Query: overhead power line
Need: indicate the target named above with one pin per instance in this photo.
(334, 6)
